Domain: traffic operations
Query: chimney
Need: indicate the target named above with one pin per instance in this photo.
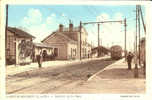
(61, 28)
(70, 27)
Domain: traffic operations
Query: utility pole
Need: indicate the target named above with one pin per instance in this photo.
(136, 65)
(144, 26)
(125, 25)
(136, 31)
(80, 38)
(142, 19)
(139, 30)
(6, 31)
(98, 40)
(98, 35)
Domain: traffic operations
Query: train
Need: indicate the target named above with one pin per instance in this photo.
(116, 52)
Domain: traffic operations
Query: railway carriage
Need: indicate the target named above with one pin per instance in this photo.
(116, 52)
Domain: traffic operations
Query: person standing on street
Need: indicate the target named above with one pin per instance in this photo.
(129, 60)
(40, 59)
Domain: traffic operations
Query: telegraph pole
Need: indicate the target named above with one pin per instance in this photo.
(125, 25)
(98, 35)
(142, 19)
(80, 38)
(6, 31)
(144, 26)
(136, 65)
(98, 40)
(139, 30)
(136, 30)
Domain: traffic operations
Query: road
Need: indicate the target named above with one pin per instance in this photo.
(56, 80)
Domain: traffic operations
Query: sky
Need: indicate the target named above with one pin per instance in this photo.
(42, 20)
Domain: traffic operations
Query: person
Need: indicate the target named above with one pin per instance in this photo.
(39, 59)
(129, 60)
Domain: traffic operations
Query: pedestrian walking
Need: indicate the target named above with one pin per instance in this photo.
(129, 60)
(40, 59)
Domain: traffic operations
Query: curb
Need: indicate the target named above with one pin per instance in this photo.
(89, 79)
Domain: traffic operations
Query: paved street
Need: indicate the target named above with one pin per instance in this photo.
(49, 80)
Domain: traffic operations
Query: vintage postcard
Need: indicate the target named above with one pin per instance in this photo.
(74, 50)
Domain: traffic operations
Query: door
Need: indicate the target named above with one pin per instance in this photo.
(55, 52)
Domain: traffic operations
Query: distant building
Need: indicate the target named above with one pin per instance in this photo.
(99, 51)
(19, 46)
(66, 43)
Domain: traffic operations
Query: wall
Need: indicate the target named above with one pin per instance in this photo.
(62, 50)
(10, 46)
(59, 42)
(38, 50)
(56, 40)
(72, 51)
(13, 50)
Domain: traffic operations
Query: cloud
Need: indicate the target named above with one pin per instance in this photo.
(41, 26)
(37, 25)
(51, 20)
(103, 17)
(63, 15)
(33, 17)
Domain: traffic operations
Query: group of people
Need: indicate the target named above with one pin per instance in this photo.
(129, 59)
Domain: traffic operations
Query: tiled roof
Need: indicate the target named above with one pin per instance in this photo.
(61, 34)
(20, 33)
(75, 29)
(65, 34)
(67, 37)
(101, 47)
(66, 29)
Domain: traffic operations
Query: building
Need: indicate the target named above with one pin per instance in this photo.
(99, 51)
(46, 50)
(66, 43)
(19, 46)
(143, 50)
